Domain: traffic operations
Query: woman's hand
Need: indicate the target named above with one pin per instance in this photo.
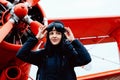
(69, 34)
(42, 32)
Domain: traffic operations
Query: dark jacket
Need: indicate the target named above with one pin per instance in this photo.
(57, 66)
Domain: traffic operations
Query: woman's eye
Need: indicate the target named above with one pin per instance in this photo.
(59, 33)
(50, 33)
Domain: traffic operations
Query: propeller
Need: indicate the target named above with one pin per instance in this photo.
(18, 12)
(5, 30)
(4, 2)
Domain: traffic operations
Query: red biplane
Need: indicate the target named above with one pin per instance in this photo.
(19, 19)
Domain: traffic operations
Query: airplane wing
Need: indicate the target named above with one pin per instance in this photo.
(92, 30)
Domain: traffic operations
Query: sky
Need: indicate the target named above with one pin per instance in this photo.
(104, 56)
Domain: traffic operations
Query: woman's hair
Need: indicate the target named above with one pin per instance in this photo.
(59, 26)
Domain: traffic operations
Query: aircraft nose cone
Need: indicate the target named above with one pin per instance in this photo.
(21, 10)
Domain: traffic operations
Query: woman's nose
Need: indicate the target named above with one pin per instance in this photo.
(54, 35)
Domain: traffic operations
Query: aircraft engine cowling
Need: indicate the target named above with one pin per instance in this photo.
(11, 73)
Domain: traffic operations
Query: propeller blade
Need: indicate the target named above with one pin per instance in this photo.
(4, 2)
(5, 29)
(34, 26)
(32, 2)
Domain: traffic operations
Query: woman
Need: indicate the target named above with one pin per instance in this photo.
(61, 53)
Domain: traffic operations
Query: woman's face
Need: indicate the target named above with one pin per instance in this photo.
(55, 37)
